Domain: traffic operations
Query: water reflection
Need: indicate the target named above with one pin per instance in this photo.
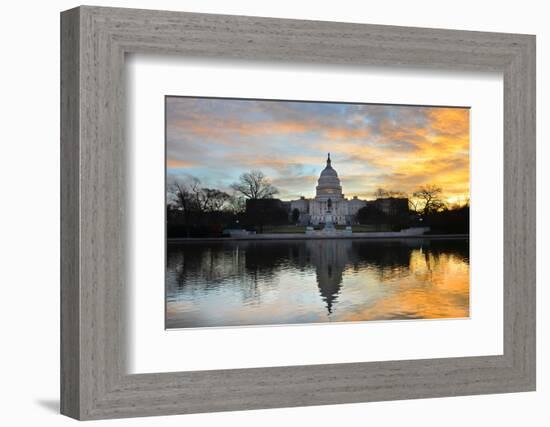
(274, 282)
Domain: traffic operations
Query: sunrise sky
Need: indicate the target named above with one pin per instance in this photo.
(371, 146)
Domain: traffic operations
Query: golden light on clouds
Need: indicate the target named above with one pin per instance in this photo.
(372, 146)
(436, 153)
(177, 164)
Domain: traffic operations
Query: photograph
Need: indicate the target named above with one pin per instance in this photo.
(264, 215)
(300, 212)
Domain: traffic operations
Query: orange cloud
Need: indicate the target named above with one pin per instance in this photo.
(221, 128)
(435, 153)
(175, 164)
(373, 146)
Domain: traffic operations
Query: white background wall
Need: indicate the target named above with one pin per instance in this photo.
(29, 212)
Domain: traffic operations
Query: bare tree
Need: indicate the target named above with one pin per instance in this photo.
(184, 200)
(195, 204)
(254, 185)
(465, 203)
(197, 193)
(414, 205)
(213, 200)
(182, 197)
(382, 193)
(191, 196)
(236, 203)
(429, 199)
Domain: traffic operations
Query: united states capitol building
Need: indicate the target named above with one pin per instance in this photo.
(330, 204)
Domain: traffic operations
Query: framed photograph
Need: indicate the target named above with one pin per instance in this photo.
(265, 228)
(343, 212)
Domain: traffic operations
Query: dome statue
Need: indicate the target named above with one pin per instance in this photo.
(328, 185)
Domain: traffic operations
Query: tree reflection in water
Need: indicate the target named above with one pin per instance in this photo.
(304, 281)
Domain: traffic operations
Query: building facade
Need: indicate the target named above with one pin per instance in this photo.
(330, 205)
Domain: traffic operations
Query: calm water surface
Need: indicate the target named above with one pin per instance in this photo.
(308, 281)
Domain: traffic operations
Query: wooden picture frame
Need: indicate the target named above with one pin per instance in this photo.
(94, 382)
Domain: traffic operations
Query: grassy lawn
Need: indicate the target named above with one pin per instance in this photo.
(369, 228)
(285, 229)
(302, 229)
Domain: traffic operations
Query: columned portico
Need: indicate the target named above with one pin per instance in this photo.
(329, 205)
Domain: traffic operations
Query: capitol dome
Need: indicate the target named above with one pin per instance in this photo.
(328, 185)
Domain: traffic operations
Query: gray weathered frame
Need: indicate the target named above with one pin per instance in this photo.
(94, 41)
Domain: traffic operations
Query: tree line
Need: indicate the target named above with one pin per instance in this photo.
(426, 207)
(194, 210)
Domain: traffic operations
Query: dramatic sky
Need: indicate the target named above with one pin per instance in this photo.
(371, 146)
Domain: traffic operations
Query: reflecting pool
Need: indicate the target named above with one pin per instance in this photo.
(230, 283)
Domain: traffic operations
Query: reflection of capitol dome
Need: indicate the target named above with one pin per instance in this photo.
(330, 258)
(329, 184)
